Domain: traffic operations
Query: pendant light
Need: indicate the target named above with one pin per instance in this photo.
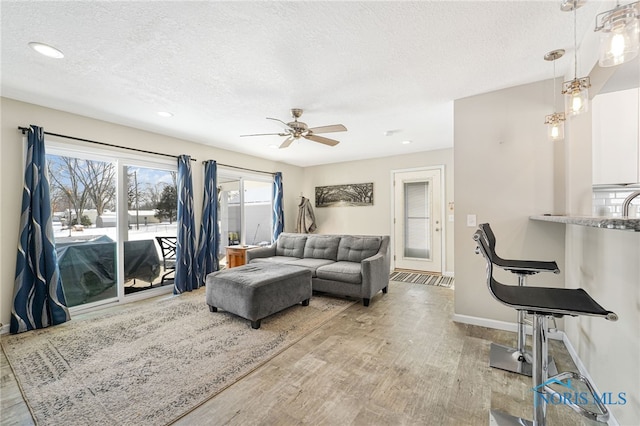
(554, 121)
(576, 91)
(620, 34)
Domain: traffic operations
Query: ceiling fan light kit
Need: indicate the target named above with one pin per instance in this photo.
(295, 130)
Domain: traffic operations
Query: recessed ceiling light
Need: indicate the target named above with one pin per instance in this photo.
(46, 50)
(406, 142)
(165, 114)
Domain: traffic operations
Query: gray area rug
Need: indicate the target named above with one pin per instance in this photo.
(152, 363)
(421, 278)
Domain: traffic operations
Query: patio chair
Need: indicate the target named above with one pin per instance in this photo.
(168, 247)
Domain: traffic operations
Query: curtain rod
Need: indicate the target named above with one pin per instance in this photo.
(243, 168)
(26, 129)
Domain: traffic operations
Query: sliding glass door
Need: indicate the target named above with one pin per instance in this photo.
(245, 210)
(230, 214)
(110, 215)
(257, 212)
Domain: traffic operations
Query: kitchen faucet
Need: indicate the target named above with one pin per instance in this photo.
(627, 202)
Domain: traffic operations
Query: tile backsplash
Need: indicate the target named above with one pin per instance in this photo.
(608, 202)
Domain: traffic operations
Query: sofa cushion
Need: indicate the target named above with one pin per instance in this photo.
(341, 271)
(274, 259)
(356, 249)
(290, 245)
(310, 264)
(322, 247)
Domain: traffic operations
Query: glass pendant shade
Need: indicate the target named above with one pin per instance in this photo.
(620, 35)
(555, 126)
(576, 91)
(576, 96)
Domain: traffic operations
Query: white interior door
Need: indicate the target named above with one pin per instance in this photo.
(417, 220)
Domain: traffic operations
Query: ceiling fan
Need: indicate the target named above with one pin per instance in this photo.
(297, 129)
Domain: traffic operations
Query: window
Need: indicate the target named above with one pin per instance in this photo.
(108, 210)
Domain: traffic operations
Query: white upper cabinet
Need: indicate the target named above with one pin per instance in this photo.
(615, 142)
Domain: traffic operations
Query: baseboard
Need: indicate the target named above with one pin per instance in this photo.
(448, 274)
(485, 322)
(501, 325)
(4, 329)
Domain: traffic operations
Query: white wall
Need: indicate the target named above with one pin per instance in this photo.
(16, 114)
(505, 171)
(606, 263)
(374, 219)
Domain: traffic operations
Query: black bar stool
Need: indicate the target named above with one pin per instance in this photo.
(543, 302)
(516, 360)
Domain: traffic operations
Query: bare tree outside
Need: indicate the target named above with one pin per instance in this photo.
(99, 180)
(152, 194)
(65, 181)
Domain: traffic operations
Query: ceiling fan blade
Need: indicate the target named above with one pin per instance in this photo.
(326, 141)
(276, 119)
(266, 134)
(287, 142)
(328, 129)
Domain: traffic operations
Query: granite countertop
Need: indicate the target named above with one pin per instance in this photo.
(625, 224)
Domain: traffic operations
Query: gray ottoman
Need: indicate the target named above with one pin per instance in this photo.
(257, 290)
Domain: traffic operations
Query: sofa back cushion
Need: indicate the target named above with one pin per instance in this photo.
(291, 245)
(322, 247)
(358, 248)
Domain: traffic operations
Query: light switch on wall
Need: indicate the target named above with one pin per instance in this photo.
(471, 220)
(450, 218)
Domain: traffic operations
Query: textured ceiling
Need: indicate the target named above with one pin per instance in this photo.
(222, 67)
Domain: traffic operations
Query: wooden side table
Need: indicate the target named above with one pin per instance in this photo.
(237, 255)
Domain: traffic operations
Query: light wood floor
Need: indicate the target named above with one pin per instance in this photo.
(400, 361)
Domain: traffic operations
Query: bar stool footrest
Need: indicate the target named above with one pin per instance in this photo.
(601, 417)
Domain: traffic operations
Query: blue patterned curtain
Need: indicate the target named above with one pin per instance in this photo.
(278, 212)
(186, 274)
(38, 298)
(209, 239)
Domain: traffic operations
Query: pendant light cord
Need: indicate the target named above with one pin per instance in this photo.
(575, 42)
(554, 86)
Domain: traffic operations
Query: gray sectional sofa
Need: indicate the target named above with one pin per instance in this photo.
(347, 265)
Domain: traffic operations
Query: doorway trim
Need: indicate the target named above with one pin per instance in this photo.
(443, 196)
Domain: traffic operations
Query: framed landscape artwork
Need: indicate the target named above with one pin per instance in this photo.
(354, 194)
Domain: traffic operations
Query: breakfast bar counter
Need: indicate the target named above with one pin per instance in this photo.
(624, 224)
